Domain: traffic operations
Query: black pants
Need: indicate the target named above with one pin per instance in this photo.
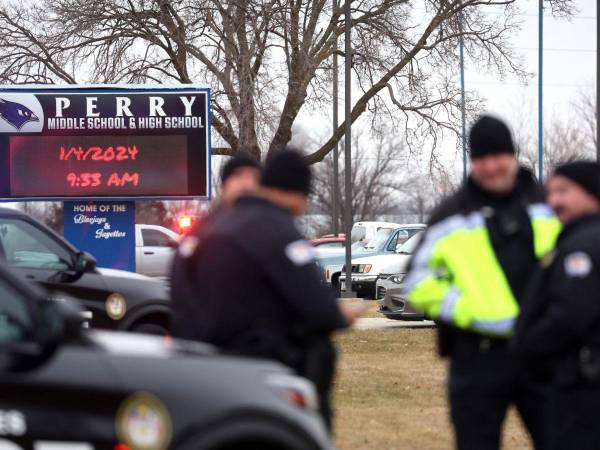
(484, 381)
(575, 412)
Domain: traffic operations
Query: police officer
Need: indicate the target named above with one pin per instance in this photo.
(256, 288)
(561, 325)
(239, 176)
(470, 273)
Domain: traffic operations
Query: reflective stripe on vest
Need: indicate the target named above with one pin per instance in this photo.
(456, 276)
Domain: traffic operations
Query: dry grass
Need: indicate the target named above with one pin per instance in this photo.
(373, 306)
(390, 394)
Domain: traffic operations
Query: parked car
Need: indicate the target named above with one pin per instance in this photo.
(392, 302)
(155, 248)
(329, 241)
(366, 271)
(113, 299)
(67, 387)
(385, 242)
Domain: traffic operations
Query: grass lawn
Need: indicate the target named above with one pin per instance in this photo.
(390, 394)
(372, 312)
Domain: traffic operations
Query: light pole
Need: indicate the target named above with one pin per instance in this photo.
(541, 95)
(462, 97)
(348, 147)
(336, 184)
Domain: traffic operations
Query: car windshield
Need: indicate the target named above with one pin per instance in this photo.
(409, 247)
(358, 233)
(378, 242)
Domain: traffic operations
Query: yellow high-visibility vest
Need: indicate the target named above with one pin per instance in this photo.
(456, 277)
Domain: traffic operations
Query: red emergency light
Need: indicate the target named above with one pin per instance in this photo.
(185, 223)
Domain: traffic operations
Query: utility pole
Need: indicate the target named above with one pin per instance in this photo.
(348, 147)
(541, 95)
(336, 184)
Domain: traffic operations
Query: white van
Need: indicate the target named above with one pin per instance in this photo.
(364, 232)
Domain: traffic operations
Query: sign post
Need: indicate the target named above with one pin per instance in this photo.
(101, 148)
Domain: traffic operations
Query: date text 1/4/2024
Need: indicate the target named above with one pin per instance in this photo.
(87, 179)
(95, 153)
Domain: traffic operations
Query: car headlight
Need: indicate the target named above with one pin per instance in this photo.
(397, 278)
(295, 390)
(364, 268)
(144, 423)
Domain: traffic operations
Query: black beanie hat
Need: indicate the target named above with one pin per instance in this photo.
(490, 136)
(584, 173)
(288, 171)
(237, 162)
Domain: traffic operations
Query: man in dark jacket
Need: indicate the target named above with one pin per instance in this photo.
(239, 176)
(560, 326)
(470, 273)
(256, 287)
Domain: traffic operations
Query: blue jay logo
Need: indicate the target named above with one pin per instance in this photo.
(16, 114)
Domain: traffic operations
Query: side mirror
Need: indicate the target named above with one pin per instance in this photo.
(85, 262)
(64, 319)
(398, 247)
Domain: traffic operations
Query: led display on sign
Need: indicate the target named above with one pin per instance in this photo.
(67, 144)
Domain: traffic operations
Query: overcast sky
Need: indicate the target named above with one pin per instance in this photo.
(569, 70)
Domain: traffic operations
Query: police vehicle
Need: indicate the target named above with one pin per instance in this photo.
(112, 299)
(64, 387)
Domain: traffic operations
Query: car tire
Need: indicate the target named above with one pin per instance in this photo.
(150, 328)
(246, 434)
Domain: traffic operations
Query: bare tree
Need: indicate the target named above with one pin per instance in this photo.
(266, 60)
(421, 192)
(49, 213)
(377, 175)
(566, 138)
(151, 213)
(586, 112)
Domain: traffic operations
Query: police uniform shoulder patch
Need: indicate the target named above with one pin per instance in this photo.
(188, 246)
(578, 265)
(300, 252)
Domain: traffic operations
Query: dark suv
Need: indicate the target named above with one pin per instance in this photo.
(112, 299)
(64, 387)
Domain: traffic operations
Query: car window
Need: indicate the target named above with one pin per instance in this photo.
(378, 242)
(413, 231)
(25, 245)
(156, 238)
(409, 247)
(15, 320)
(399, 238)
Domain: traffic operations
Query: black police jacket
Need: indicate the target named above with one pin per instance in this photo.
(511, 235)
(251, 286)
(560, 321)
